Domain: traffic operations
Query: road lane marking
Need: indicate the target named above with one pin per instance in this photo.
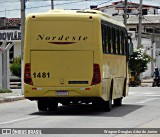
(17, 120)
(153, 95)
(146, 100)
(146, 93)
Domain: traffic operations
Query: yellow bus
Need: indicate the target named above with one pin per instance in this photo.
(74, 56)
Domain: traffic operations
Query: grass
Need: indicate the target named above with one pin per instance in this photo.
(5, 91)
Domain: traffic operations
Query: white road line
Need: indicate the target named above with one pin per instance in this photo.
(146, 100)
(146, 93)
(153, 95)
(17, 120)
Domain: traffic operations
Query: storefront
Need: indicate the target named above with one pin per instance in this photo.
(12, 36)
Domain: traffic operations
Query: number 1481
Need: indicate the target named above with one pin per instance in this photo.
(41, 75)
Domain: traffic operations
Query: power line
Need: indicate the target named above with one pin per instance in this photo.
(46, 5)
(55, 4)
(102, 3)
(49, 0)
(7, 1)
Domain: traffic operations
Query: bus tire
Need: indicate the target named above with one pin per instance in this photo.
(107, 105)
(96, 106)
(52, 105)
(101, 105)
(118, 101)
(124, 87)
(42, 105)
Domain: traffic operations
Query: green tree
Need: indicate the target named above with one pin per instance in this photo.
(138, 63)
(15, 67)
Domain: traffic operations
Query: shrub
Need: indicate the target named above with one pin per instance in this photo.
(138, 63)
(15, 67)
(5, 91)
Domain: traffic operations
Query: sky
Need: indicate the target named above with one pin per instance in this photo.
(11, 8)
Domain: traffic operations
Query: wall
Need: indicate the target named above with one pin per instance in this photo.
(147, 48)
(0, 69)
(12, 36)
(158, 58)
(17, 49)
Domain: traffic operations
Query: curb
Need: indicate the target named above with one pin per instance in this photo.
(11, 98)
(147, 82)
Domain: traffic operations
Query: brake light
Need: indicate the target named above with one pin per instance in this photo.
(96, 74)
(27, 74)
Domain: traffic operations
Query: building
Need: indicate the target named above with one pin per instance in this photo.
(150, 27)
(10, 32)
(117, 8)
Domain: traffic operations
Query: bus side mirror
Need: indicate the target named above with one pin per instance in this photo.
(130, 49)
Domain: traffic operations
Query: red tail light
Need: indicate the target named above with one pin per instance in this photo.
(96, 74)
(27, 74)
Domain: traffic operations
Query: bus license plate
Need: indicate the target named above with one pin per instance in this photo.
(61, 92)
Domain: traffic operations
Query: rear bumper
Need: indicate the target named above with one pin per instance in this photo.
(36, 92)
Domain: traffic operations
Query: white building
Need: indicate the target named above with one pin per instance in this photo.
(150, 27)
(12, 36)
(10, 32)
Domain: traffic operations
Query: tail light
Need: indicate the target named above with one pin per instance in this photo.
(96, 74)
(27, 74)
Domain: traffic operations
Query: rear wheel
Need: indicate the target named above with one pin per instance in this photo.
(107, 105)
(96, 106)
(42, 105)
(118, 101)
(101, 105)
(52, 105)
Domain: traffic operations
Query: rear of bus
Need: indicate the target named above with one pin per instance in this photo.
(60, 59)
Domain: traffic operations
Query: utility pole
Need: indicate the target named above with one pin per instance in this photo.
(5, 67)
(52, 4)
(152, 50)
(125, 13)
(140, 26)
(1, 79)
(22, 40)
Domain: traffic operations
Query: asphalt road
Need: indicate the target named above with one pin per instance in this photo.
(141, 109)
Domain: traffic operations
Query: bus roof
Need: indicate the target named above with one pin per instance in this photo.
(80, 11)
(99, 14)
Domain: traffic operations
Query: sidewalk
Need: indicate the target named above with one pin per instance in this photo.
(146, 82)
(9, 97)
(150, 80)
